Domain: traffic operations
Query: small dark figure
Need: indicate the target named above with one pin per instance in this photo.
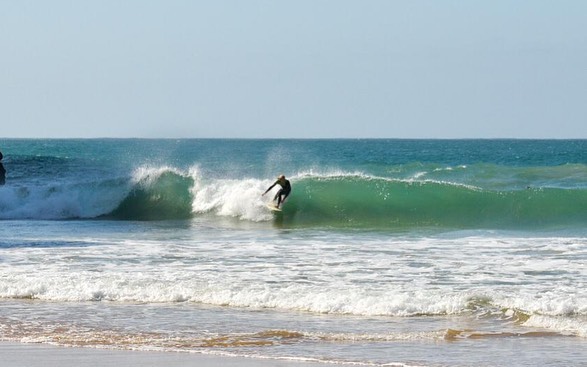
(2, 171)
(283, 192)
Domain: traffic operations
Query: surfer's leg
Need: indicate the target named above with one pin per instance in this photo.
(278, 197)
(279, 200)
(282, 197)
(285, 195)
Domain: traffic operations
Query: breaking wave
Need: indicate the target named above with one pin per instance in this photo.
(340, 199)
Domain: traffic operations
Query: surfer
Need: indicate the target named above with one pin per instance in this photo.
(2, 171)
(283, 192)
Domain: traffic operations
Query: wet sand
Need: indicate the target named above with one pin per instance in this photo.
(42, 355)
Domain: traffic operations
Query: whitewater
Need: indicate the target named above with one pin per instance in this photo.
(387, 252)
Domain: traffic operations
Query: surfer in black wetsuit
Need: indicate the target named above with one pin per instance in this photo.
(283, 192)
(2, 171)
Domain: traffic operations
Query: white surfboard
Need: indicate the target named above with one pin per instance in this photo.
(273, 208)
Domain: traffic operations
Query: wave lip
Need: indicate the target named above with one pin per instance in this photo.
(156, 194)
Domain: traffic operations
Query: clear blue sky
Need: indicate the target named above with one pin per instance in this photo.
(293, 69)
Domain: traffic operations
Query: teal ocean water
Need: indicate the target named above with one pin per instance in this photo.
(387, 252)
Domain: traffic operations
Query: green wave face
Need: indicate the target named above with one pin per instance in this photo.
(381, 203)
(364, 202)
(166, 197)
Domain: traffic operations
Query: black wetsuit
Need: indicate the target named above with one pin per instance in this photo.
(283, 192)
(2, 174)
(2, 171)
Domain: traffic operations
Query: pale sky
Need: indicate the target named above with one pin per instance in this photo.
(293, 69)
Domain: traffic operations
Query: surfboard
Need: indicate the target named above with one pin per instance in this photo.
(273, 208)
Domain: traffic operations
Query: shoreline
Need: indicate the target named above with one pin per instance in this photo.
(16, 354)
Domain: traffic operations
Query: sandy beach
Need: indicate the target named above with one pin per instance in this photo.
(42, 355)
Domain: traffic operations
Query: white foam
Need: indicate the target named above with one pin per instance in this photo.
(176, 287)
(331, 173)
(331, 273)
(81, 199)
(233, 198)
(417, 178)
(61, 200)
(568, 326)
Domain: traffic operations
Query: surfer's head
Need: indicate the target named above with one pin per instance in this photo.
(281, 177)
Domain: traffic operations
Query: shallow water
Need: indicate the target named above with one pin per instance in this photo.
(456, 298)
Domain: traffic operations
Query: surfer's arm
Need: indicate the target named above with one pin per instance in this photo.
(270, 187)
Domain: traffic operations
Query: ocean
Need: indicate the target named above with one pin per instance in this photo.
(387, 253)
